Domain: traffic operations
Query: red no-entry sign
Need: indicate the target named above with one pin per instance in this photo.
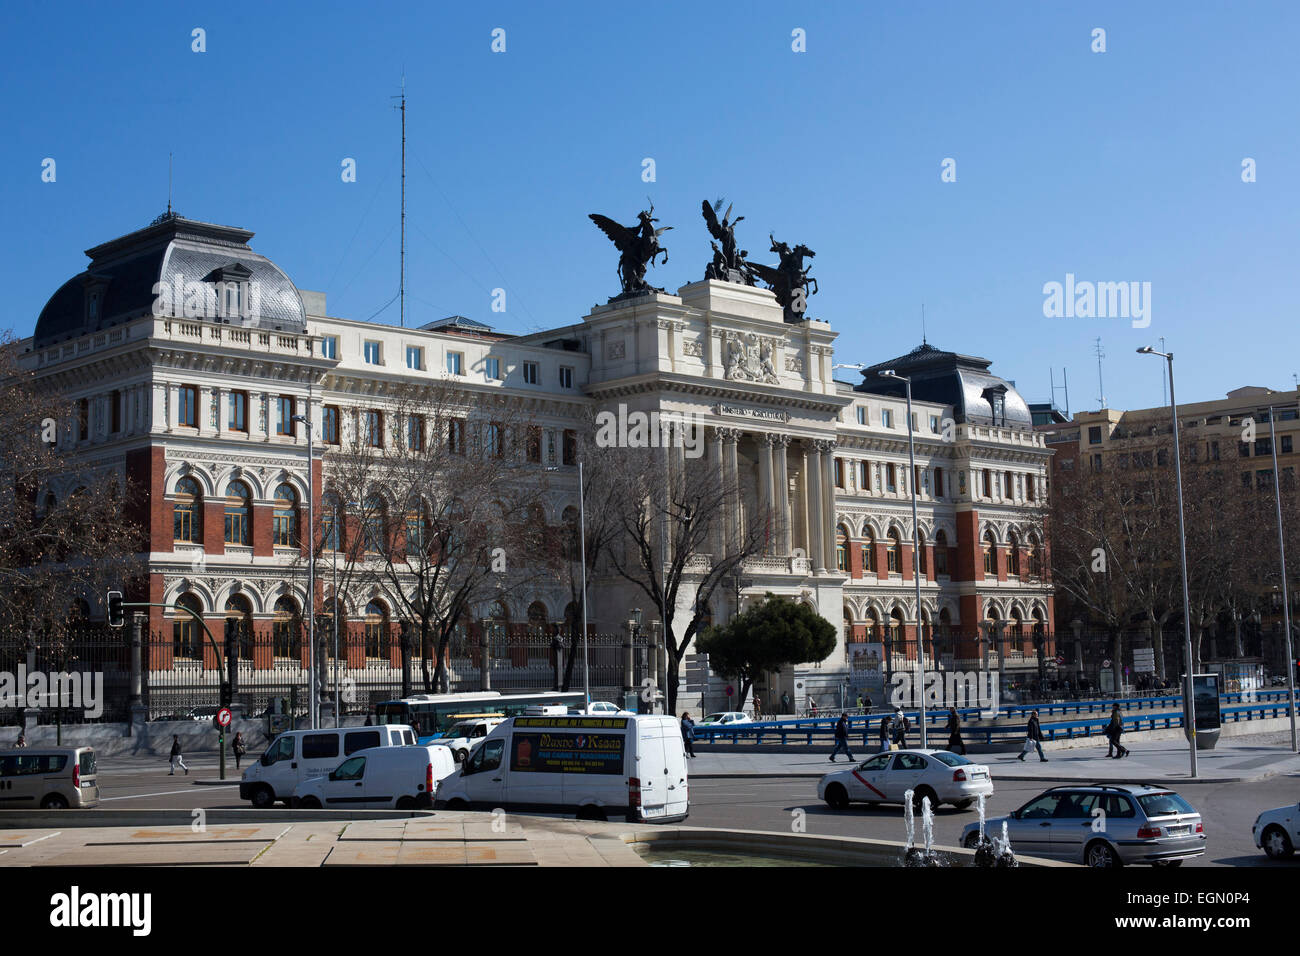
(223, 717)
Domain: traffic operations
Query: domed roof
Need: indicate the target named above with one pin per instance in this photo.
(977, 396)
(174, 266)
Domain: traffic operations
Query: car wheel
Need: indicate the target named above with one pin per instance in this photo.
(456, 803)
(309, 803)
(405, 803)
(963, 804)
(837, 798)
(1101, 854)
(972, 840)
(591, 813)
(55, 801)
(1276, 843)
(263, 798)
(921, 793)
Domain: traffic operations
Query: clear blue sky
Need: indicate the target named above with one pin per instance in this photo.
(1115, 166)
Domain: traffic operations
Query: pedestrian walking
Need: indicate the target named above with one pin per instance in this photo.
(758, 708)
(785, 703)
(900, 725)
(238, 748)
(884, 733)
(859, 702)
(177, 759)
(954, 732)
(1114, 730)
(841, 738)
(1033, 738)
(812, 705)
(688, 733)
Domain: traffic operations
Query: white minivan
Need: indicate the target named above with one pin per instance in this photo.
(632, 767)
(297, 755)
(402, 778)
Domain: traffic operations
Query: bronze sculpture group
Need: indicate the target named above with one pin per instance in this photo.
(639, 246)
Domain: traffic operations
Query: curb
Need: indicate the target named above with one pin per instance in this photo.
(230, 782)
(1090, 779)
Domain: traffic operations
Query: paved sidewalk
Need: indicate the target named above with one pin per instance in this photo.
(1235, 760)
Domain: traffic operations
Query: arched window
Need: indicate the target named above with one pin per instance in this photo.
(377, 630)
(539, 643)
(188, 522)
(285, 524)
(1017, 627)
(375, 524)
(286, 628)
(841, 548)
(869, 551)
(239, 611)
(417, 527)
(896, 631)
(187, 635)
(238, 502)
(895, 551)
(940, 552)
(945, 625)
(498, 631)
(1035, 557)
(331, 522)
(1013, 554)
(990, 554)
(920, 554)
(572, 546)
(873, 625)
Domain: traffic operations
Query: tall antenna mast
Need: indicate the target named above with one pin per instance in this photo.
(401, 282)
(1164, 386)
(169, 184)
(1065, 378)
(1101, 354)
(923, 341)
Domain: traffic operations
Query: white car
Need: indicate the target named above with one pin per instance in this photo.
(1277, 831)
(603, 708)
(724, 718)
(464, 735)
(942, 776)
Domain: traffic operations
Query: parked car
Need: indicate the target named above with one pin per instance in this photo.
(725, 717)
(1277, 831)
(401, 778)
(298, 755)
(52, 778)
(466, 734)
(1103, 826)
(885, 778)
(599, 707)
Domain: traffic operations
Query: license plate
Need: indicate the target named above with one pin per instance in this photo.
(1179, 831)
(979, 775)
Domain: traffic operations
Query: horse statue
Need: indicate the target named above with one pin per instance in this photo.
(638, 247)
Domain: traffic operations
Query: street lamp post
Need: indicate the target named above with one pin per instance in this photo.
(1189, 699)
(916, 542)
(1281, 553)
(313, 707)
(582, 557)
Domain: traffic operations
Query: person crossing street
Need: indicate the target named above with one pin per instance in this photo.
(841, 738)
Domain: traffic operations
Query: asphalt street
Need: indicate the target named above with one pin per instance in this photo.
(1228, 809)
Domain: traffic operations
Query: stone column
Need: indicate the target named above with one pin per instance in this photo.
(805, 502)
(737, 522)
(813, 476)
(765, 485)
(782, 496)
(827, 515)
(159, 407)
(721, 532)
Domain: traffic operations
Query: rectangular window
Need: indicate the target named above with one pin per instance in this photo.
(1214, 451)
(1243, 449)
(934, 424)
(566, 377)
(1030, 481)
(530, 373)
(329, 346)
(1096, 462)
(492, 444)
(570, 447)
(887, 417)
(373, 431)
(1286, 444)
(456, 436)
(372, 352)
(941, 557)
(862, 414)
(329, 426)
(534, 449)
(1007, 485)
(1094, 435)
(1263, 446)
(492, 368)
(455, 363)
(839, 473)
(864, 476)
(415, 432)
(1264, 480)
(83, 419)
(187, 412)
(891, 480)
(238, 418)
(320, 746)
(938, 482)
(284, 415)
(115, 413)
(415, 358)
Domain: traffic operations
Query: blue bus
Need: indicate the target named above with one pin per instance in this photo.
(432, 714)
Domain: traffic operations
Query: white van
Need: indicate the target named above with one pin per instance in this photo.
(632, 767)
(297, 755)
(466, 733)
(402, 778)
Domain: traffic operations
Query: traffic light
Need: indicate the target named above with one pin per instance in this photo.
(116, 615)
(226, 696)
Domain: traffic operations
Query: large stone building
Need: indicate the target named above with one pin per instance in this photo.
(199, 411)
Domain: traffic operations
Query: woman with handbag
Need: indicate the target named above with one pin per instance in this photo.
(239, 748)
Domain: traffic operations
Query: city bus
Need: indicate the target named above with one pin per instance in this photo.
(433, 713)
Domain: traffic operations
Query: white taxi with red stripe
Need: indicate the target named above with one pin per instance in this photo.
(942, 776)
